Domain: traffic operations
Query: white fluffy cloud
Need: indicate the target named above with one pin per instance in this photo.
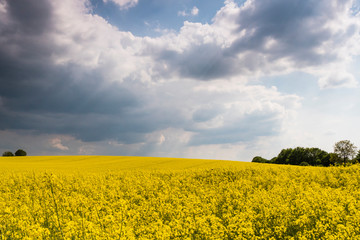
(194, 12)
(249, 40)
(337, 78)
(265, 38)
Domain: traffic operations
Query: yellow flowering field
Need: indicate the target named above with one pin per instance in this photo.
(90, 197)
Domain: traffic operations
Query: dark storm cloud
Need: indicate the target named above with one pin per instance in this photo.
(35, 85)
(87, 111)
(54, 91)
(46, 99)
(43, 97)
(25, 44)
(71, 98)
(299, 27)
(30, 16)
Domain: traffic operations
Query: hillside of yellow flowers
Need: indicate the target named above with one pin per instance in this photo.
(93, 197)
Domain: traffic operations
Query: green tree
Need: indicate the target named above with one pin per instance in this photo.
(357, 158)
(260, 160)
(283, 157)
(345, 150)
(20, 152)
(334, 159)
(318, 157)
(8, 154)
(298, 155)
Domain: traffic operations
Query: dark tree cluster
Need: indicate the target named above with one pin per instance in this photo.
(299, 156)
(19, 152)
(303, 156)
(344, 153)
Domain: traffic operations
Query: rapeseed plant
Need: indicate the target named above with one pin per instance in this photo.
(177, 200)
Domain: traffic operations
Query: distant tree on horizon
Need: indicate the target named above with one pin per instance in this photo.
(345, 150)
(299, 156)
(8, 154)
(335, 159)
(20, 152)
(357, 158)
(260, 160)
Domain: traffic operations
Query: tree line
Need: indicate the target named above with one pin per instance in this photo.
(345, 153)
(19, 152)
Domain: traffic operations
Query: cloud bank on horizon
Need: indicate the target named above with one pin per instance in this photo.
(255, 77)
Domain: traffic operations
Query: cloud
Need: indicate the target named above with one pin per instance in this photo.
(30, 17)
(56, 143)
(194, 12)
(336, 79)
(65, 79)
(67, 72)
(182, 13)
(241, 114)
(301, 34)
(263, 38)
(288, 24)
(123, 4)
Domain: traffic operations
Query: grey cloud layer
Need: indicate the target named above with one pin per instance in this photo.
(30, 17)
(204, 62)
(95, 83)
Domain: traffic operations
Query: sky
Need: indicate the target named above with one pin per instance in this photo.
(178, 78)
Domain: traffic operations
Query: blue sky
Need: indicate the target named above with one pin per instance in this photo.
(148, 17)
(196, 79)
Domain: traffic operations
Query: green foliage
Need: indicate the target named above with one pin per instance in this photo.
(273, 160)
(260, 160)
(283, 157)
(334, 159)
(8, 154)
(296, 156)
(357, 158)
(20, 152)
(345, 150)
(344, 154)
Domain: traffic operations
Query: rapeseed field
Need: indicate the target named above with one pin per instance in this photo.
(93, 197)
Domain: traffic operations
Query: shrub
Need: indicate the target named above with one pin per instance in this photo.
(20, 152)
(8, 154)
(260, 160)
